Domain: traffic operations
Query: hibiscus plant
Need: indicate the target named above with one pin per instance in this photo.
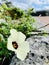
(13, 34)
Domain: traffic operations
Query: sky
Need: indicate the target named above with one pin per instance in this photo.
(36, 4)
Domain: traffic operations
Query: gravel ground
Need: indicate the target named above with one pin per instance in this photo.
(39, 49)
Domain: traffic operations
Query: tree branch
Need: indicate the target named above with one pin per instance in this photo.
(44, 26)
(37, 33)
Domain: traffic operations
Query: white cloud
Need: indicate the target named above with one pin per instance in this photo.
(46, 1)
(20, 5)
(24, 4)
(38, 9)
(46, 8)
(29, 3)
(38, 1)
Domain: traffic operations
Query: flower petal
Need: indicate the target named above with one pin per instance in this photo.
(14, 35)
(25, 46)
(9, 45)
(21, 37)
(21, 55)
(13, 32)
(18, 36)
(23, 50)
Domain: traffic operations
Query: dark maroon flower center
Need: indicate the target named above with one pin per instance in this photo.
(15, 45)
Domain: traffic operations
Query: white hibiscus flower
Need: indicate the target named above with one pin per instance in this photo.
(17, 43)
